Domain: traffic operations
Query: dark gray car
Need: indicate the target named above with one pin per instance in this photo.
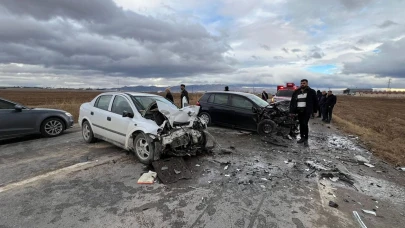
(18, 120)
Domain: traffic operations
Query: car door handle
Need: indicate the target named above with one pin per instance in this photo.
(91, 113)
(109, 118)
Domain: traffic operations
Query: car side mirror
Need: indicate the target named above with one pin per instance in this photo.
(127, 114)
(254, 109)
(18, 108)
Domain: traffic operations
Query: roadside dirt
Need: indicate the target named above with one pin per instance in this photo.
(257, 185)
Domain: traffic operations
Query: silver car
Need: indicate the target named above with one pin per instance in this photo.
(17, 120)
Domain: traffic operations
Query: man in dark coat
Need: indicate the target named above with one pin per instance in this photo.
(265, 96)
(169, 95)
(322, 105)
(329, 104)
(184, 93)
(304, 102)
(226, 88)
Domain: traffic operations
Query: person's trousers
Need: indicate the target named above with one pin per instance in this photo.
(324, 113)
(303, 119)
(329, 114)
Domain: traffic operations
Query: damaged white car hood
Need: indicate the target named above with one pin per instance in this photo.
(175, 115)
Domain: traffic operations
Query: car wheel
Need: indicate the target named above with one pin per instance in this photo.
(144, 149)
(52, 127)
(206, 117)
(87, 132)
(266, 127)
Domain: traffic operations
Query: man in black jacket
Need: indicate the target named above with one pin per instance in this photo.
(184, 93)
(321, 105)
(304, 102)
(328, 108)
(265, 96)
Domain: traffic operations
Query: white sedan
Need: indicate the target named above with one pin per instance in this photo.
(147, 124)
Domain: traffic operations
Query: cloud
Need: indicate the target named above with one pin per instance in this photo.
(255, 57)
(316, 55)
(388, 62)
(278, 57)
(265, 47)
(356, 48)
(285, 50)
(296, 50)
(100, 36)
(386, 24)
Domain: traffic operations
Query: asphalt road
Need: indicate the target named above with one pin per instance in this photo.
(64, 182)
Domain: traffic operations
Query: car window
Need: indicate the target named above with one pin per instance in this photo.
(143, 102)
(103, 102)
(6, 105)
(221, 99)
(241, 102)
(120, 104)
(205, 97)
(211, 99)
(285, 93)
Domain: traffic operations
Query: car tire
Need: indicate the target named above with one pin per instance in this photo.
(87, 132)
(52, 127)
(206, 117)
(266, 127)
(144, 149)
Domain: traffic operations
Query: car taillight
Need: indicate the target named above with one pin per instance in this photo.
(198, 103)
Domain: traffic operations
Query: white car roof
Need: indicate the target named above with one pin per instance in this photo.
(131, 93)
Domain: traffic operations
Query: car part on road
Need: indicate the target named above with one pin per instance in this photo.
(333, 204)
(176, 170)
(370, 212)
(147, 178)
(87, 132)
(358, 219)
(52, 127)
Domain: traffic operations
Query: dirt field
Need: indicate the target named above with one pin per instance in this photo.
(379, 122)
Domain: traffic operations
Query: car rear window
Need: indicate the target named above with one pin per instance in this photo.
(285, 93)
(205, 97)
(103, 102)
(221, 99)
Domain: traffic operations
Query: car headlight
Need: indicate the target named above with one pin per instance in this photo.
(68, 114)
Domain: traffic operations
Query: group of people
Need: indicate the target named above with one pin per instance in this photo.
(305, 102)
(184, 95)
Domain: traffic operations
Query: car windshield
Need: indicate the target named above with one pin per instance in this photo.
(143, 102)
(257, 100)
(284, 93)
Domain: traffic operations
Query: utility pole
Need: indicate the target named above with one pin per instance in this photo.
(389, 84)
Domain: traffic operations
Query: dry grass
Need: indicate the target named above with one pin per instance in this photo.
(379, 122)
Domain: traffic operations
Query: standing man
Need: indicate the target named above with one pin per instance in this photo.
(304, 103)
(184, 94)
(265, 96)
(322, 105)
(329, 104)
(226, 88)
(169, 95)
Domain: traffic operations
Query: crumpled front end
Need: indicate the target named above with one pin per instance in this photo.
(181, 132)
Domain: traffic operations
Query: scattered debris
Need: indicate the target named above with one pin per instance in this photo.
(226, 167)
(334, 179)
(84, 159)
(313, 165)
(369, 165)
(342, 176)
(227, 175)
(361, 159)
(370, 212)
(197, 165)
(147, 178)
(232, 148)
(164, 168)
(176, 170)
(226, 151)
(264, 179)
(401, 168)
(358, 218)
(333, 204)
(262, 186)
(273, 142)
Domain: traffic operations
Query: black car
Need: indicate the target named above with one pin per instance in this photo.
(17, 120)
(233, 109)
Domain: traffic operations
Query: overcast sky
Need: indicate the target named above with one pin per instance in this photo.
(103, 43)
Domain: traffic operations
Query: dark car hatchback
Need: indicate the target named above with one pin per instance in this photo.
(232, 109)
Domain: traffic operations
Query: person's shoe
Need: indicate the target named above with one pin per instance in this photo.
(301, 140)
(306, 143)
